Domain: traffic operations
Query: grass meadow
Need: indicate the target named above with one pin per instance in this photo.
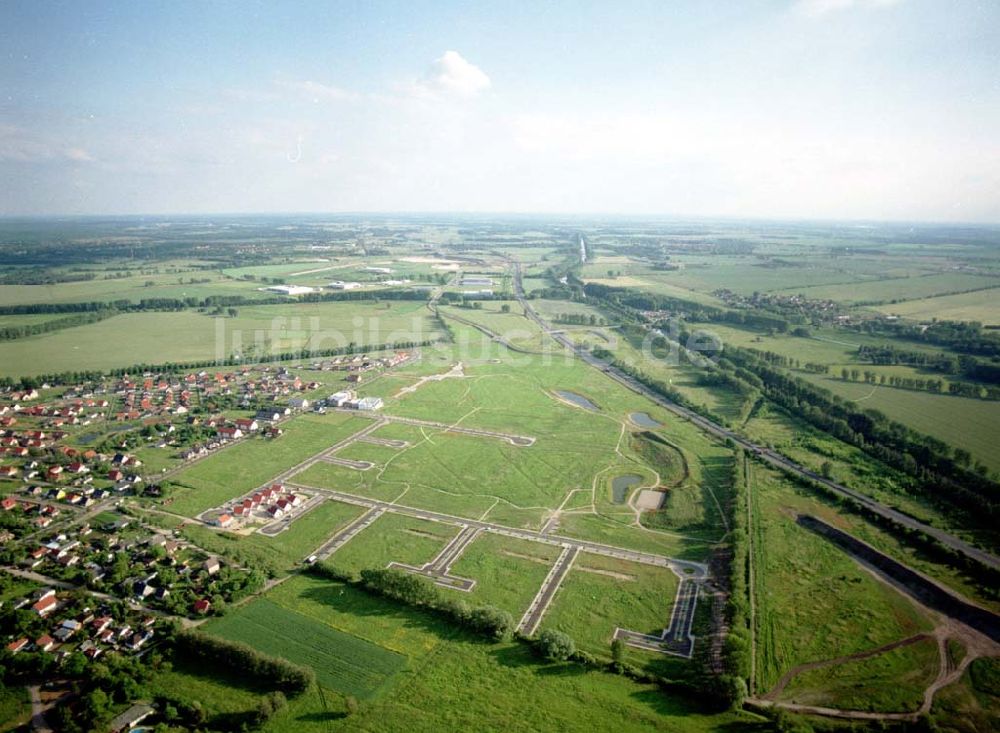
(813, 601)
(601, 593)
(891, 682)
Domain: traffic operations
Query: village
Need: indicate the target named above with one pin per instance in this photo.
(84, 574)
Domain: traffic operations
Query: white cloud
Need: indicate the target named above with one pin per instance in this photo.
(452, 75)
(820, 8)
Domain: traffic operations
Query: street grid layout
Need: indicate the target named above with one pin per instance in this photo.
(540, 603)
(676, 639)
(439, 569)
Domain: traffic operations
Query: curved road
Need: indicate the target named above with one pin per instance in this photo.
(768, 455)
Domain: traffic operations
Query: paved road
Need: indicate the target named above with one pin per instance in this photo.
(540, 603)
(348, 463)
(766, 454)
(340, 538)
(439, 569)
(677, 638)
(682, 568)
(38, 708)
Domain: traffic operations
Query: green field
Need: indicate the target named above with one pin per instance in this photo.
(907, 288)
(966, 422)
(158, 337)
(891, 682)
(342, 662)
(393, 537)
(601, 593)
(221, 694)
(15, 708)
(813, 601)
(981, 306)
(133, 287)
(508, 572)
(473, 685)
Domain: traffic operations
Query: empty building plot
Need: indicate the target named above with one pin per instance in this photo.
(508, 571)
(601, 594)
(394, 538)
(438, 569)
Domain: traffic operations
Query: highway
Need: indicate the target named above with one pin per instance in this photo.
(772, 457)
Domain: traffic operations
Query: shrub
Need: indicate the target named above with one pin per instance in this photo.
(492, 621)
(555, 645)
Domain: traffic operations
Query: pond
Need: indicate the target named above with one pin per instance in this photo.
(620, 486)
(643, 420)
(578, 400)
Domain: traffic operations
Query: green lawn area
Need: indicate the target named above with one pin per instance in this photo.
(221, 693)
(251, 463)
(15, 708)
(342, 662)
(601, 593)
(453, 682)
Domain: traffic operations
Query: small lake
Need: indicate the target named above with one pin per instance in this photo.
(643, 420)
(578, 400)
(620, 486)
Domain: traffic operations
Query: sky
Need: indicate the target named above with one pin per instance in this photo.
(805, 109)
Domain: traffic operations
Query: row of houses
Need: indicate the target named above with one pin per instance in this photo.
(272, 502)
(361, 362)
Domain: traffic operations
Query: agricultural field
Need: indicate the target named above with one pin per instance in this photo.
(525, 438)
(894, 290)
(343, 663)
(474, 685)
(155, 337)
(980, 306)
(133, 287)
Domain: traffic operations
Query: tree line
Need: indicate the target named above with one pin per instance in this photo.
(944, 473)
(9, 333)
(211, 301)
(242, 660)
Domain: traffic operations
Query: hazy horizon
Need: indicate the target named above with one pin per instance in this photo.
(783, 110)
